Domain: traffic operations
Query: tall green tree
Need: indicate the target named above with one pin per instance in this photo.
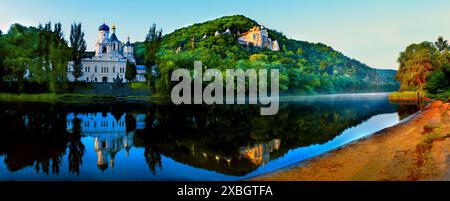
(441, 44)
(2, 57)
(19, 44)
(152, 44)
(59, 55)
(78, 49)
(130, 71)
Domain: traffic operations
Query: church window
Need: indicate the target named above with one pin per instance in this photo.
(114, 69)
(95, 79)
(114, 46)
(104, 50)
(95, 69)
(87, 79)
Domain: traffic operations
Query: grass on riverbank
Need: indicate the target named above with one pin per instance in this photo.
(423, 95)
(45, 97)
(138, 85)
(406, 95)
(52, 97)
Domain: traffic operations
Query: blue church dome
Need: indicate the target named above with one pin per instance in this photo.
(103, 27)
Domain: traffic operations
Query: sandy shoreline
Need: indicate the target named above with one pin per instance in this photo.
(416, 149)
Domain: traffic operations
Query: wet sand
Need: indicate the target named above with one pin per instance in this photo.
(416, 149)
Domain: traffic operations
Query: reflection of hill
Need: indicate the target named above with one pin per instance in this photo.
(224, 131)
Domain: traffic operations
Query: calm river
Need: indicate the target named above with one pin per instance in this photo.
(150, 141)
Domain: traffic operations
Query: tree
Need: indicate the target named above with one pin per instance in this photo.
(437, 82)
(78, 49)
(152, 43)
(2, 57)
(130, 123)
(415, 64)
(441, 44)
(19, 44)
(59, 57)
(130, 71)
(76, 147)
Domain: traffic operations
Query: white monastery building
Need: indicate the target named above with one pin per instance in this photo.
(110, 58)
(258, 36)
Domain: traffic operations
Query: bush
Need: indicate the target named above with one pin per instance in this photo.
(437, 82)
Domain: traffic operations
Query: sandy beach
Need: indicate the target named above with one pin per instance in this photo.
(416, 149)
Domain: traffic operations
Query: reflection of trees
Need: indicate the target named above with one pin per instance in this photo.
(35, 135)
(33, 138)
(76, 147)
(406, 109)
(153, 159)
(130, 123)
(210, 137)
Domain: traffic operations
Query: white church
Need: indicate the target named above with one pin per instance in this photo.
(110, 58)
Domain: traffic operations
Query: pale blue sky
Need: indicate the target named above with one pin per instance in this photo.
(372, 31)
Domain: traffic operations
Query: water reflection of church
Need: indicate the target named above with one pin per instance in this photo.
(260, 154)
(110, 133)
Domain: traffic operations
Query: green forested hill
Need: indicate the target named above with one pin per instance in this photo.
(305, 67)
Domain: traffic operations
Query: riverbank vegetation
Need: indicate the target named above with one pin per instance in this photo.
(34, 59)
(54, 97)
(424, 71)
